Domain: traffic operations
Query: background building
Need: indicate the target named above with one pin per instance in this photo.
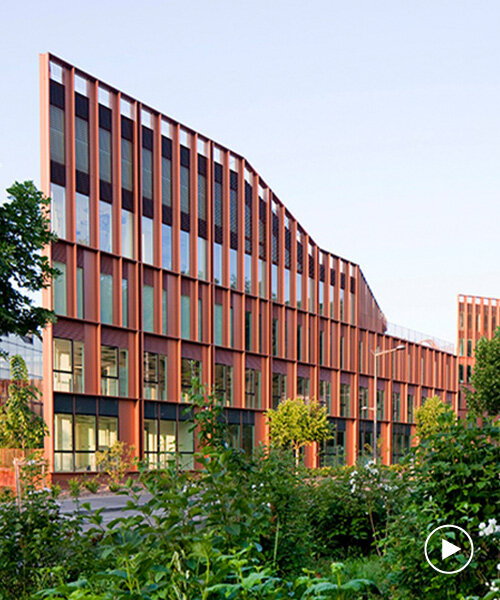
(178, 259)
(477, 317)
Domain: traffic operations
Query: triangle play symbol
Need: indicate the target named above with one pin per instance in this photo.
(447, 549)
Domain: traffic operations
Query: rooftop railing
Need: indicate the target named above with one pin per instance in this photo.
(419, 338)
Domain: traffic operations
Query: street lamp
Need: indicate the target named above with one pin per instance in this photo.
(375, 399)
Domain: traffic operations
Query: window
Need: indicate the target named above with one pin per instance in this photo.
(155, 376)
(333, 450)
(252, 388)
(106, 298)
(325, 394)
(400, 445)
(248, 273)
(147, 240)
(68, 365)
(223, 383)
(411, 408)
(287, 286)
(148, 312)
(125, 302)
(163, 440)
(147, 173)
(396, 406)
(127, 234)
(218, 320)
(233, 268)
(218, 263)
(469, 347)
(185, 252)
(303, 387)
(184, 189)
(363, 402)
(80, 313)
(200, 320)
(279, 389)
(105, 155)
(248, 330)
(166, 246)
(127, 164)
(77, 437)
(82, 219)
(114, 371)
(202, 197)
(312, 294)
(274, 334)
(380, 405)
(58, 210)
(299, 342)
(105, 226)
(185, 317)
(57, 134)
(59, 290)
(202, 258)
(321, 297)
(81, 145)
(166, 181)
(242, 436)
(274, 281)
(345, 400)
(190, 369)
(262, 278)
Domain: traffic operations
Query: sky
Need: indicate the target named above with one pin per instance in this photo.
(376, 123)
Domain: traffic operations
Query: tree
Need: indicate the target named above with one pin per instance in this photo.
(485, 394)
(297, 423)
(20, 427)
(24, 232)
(433, 417)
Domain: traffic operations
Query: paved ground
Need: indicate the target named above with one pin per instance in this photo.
(112, 505)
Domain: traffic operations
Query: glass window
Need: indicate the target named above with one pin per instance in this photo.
(185, 444)
(202, 258)
(148, 308)
(81, 145)
(217, 263)
(248, 330)
(252, 388)
(127, 234)
(164, 310)
(287, 286)
(166, 246)
(127, 164)
(147, 173)
(274, 281)
(345, 400)
(79, 293)
(147, 240)
(262, 278)
(299, 290)
(189, 369)
(105, 155)
(325, 394)
(68, 365)
(123, 372)
(223, 383)
(58, 210)
(233, 267)
(105, 226)
(63, 442)
(85, 442)
(396, 406)
(218, 319)
(155, 376)
(107, 298)
(321, 297)
(82, 219)
(202, 197)
(166, 181)
(303, 387)
(248, 273)
(275, 337)
(185, 252)
(185, 317)
(125, 302)
(56, 134)
(60, 290)
(109, 371)
(184, 189)
(411, 408)
(200, 320)
(380, 405)
(107, 433)
(312, 293)
(363, 402)
(279, 389)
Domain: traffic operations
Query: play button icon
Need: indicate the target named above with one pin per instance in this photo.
(448, 549)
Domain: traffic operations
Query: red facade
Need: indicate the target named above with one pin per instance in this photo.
(178, 259)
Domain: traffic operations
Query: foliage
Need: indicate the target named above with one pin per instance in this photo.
(434, 416)
(453, 477)
(297, 423)
(38, 546)
(20, 427)
(115, 462)
(485, 380)
(24, 232)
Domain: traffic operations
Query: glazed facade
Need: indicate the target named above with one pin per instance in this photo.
(478, 317)
(178, 259)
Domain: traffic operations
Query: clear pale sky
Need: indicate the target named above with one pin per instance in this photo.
(376, 123)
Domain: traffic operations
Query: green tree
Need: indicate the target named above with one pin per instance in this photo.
(20, 427)
(485, 394)
(24, 232)
(297, 423)
(434, 416)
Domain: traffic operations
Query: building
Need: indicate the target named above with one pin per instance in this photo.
(478, 317)
(178, 259)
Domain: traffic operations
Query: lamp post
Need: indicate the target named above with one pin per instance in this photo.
(375, 395)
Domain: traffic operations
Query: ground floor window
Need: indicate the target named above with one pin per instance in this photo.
(332, 452)
(190, 369)
(241, 426)
(168, 435)
(365, 444)
(400, 442)
(77, 438)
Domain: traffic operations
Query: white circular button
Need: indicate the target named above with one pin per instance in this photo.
(448, 549)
